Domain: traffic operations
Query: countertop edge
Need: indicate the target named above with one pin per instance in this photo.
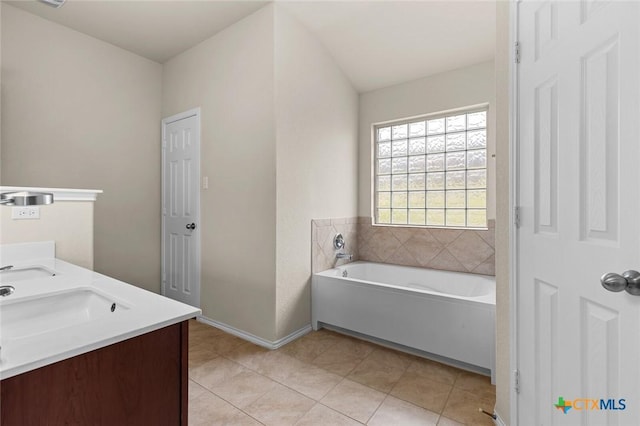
(5, 374)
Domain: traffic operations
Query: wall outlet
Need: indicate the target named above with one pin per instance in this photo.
(28, 212)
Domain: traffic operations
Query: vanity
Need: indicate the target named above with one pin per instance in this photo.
(78, 347)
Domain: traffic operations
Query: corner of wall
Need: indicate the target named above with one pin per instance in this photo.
(316, 158)
(503, 316)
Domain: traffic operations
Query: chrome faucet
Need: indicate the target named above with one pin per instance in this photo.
(344, 256)
(6, 268)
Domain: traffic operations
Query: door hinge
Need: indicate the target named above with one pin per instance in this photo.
(164, 143)
(516, 380)
(517, 52)
(516, 216)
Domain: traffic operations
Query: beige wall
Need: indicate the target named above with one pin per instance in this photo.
(81, 113)
(68, 223)
(453, 89)
(317, 159)
(230, 76)
(502, 211)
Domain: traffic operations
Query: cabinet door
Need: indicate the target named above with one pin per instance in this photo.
(139, 381)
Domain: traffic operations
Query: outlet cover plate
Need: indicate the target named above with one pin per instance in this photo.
(27, 212)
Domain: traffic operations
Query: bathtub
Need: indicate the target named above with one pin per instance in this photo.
(448, 316)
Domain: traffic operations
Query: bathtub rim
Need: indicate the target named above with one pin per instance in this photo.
(487, 299)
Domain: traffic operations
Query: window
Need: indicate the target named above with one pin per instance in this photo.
(432, 171)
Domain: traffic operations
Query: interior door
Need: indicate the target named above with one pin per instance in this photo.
(579, 198)
(181, 207)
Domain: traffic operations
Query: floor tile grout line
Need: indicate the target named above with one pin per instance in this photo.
(206, 389)
(266, 377)
(377, 408)
(232, 404)
(284, 384)
(341, 413)
(444, 407)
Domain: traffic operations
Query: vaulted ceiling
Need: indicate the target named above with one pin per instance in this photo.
(376, 43)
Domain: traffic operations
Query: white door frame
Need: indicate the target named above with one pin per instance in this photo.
(195, 112)
(513, 205)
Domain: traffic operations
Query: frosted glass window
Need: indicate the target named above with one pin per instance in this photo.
(416, 146)
(384, 149)
(417, 182)
(417, 128)
(432, 171)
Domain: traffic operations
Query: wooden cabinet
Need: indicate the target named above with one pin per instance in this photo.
(139, 381)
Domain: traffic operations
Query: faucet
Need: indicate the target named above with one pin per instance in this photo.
(6, 268)
(344, 256)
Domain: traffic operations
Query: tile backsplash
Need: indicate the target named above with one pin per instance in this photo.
(323, 255)
(447, 249)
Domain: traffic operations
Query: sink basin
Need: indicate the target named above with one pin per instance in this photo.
(25, 273)
(24, 318)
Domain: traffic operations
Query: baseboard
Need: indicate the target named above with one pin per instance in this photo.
(499, 420)
(252, 337)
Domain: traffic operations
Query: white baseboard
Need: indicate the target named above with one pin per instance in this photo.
(499, 420)
(253, 338)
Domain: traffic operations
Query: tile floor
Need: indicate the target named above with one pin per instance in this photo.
(327, 379)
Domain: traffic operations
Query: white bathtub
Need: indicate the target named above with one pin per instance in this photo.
(447, 314)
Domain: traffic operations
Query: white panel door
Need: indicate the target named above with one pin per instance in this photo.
(579, 197)
(181, 208)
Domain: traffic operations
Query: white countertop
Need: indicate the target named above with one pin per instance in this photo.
(139, 312)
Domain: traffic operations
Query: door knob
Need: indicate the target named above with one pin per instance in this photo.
(633, 282)
(613, 282)
(191, 226)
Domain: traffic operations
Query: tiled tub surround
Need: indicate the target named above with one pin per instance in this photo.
(323, 255)
(454, 250)
(446, 249)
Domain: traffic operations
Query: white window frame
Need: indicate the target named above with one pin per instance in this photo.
(432, 116)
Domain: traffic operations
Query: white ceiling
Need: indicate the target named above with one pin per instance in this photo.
(376, 43)
(155, 29)
(381, 43)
